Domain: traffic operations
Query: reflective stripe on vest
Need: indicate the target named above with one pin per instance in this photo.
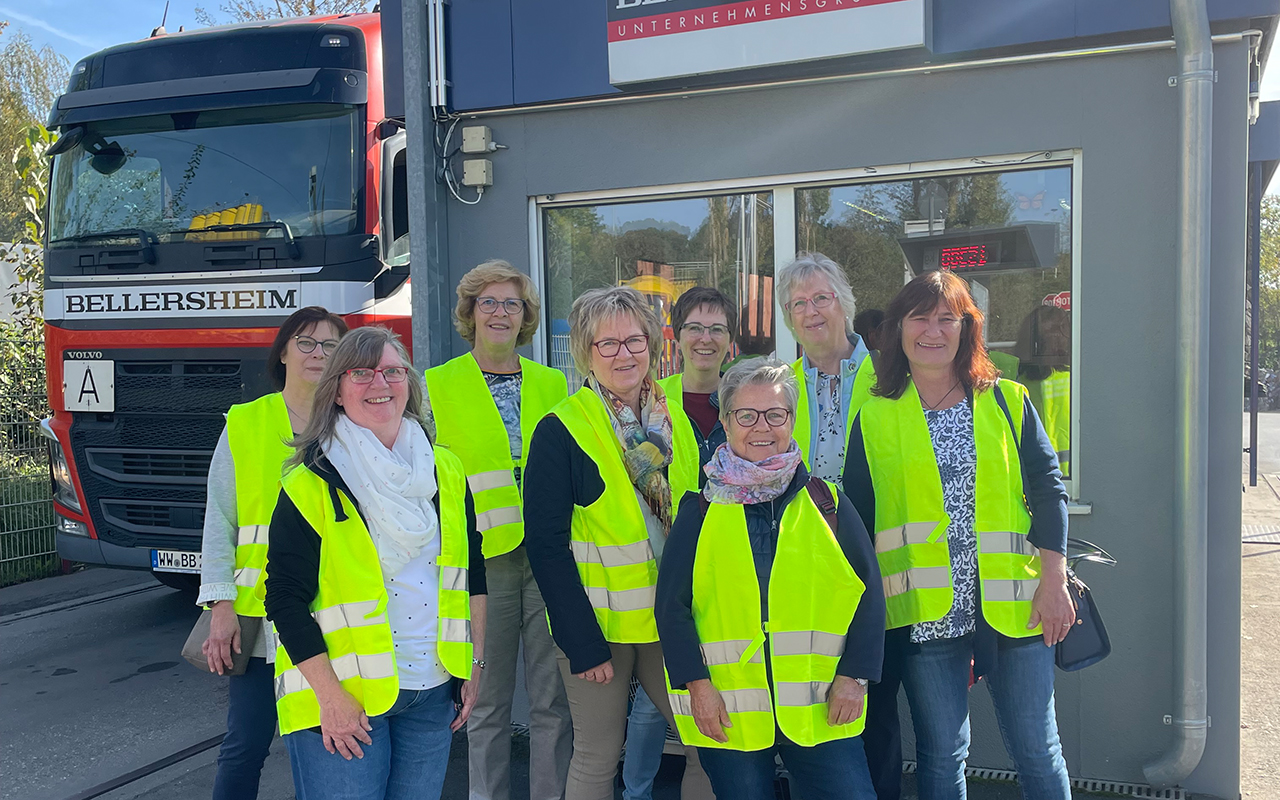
(609, 538)
(351, 599)
(911, 522)
(863, 380)
(685, 457)
(806, 628)
(256, 436)
(469, 424)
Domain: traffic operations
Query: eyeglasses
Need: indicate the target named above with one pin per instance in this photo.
(608, 348)
(361, 375)
(489, 305)
(773, 417)
(307, 345)
(696, 330)
(819, 300)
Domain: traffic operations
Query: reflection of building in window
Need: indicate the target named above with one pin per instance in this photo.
(1044, 367)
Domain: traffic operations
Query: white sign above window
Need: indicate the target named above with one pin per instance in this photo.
(655, 39)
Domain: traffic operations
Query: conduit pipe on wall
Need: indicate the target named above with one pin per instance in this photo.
(1191, 495)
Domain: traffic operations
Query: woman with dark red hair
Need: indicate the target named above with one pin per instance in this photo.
(949, 465)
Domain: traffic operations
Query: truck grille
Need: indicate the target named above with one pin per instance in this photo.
(150, 466)
(144, 467)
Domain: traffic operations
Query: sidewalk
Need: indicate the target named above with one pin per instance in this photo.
(1259, 620)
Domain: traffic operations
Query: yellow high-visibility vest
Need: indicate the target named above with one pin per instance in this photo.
(609, 538)
(813, 596)
(686, 461)
(256, 433)
(911, 521)
(1052, 399)
(351, 601)
(863, 380)
(469, 424)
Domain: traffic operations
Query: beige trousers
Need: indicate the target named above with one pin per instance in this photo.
(599, 714)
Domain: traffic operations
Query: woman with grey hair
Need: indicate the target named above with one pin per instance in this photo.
(835, 371)
(597, 512)
(376, 585)
(769, 601)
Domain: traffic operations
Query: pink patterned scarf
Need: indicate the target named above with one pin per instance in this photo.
(732, 479)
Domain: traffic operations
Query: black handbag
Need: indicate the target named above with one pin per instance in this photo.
(1087, 642)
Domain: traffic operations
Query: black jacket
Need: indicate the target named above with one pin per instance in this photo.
(293, 559)
(864, 643)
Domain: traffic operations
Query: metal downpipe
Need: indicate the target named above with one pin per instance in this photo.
(1191, 496)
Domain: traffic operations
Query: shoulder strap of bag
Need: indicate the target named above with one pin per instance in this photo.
(820, 493)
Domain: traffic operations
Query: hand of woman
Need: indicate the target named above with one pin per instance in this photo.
(709, 711)
(224, 637)
(600, 674)
(1051, 606)
(470, 691)
(845, 700)
(343, 724)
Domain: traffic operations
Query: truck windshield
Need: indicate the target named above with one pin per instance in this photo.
(172, 173)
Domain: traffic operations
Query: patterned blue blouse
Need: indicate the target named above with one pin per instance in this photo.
(951, 430)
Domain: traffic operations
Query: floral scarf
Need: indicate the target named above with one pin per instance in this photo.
(646, 443)
(733, 479)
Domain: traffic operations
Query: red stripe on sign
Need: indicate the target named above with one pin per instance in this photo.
(728, 14)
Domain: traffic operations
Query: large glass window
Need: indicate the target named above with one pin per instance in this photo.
(167, 174)
(1007, 233)
(662, 248)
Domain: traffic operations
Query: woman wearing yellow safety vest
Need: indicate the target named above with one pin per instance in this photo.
(704, 321)
(485, 405)
(597, 512)
(949, 466)
(376, 586)
(835, 372)
(769, 633)
(244, 482)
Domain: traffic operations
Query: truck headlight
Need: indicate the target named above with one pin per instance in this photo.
(72, 527)
(64, 491)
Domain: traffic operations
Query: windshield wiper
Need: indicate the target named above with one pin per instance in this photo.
(275, 224)
(145, 238)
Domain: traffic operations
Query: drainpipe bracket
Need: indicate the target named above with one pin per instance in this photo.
(1197, 75)
(1190, 724)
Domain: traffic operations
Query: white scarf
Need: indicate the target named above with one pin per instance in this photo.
(393, 487)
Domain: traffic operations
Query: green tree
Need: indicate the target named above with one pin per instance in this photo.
(252, 10)
(1269, 286)
(32, 79)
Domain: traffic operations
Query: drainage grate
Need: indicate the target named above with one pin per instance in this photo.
(1084, 784)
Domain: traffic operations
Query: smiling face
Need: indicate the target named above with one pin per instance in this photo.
(759, 441)
(307, 367)
(704, 352)
(625, 372)
(498, 329)
(378, 406)
(931, 338)
(816, 328)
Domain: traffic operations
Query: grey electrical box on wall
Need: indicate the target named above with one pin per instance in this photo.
(477, 139)
(477, 172)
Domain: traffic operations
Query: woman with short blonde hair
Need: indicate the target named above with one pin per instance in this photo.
(598, 511)
(485, 404)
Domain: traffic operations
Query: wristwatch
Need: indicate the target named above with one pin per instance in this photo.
(478, 662)
(862, 682)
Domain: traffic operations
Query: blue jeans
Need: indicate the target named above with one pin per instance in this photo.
(646, 736)
(406, 761)
(251, 725)
(828, 771)
(937, 682)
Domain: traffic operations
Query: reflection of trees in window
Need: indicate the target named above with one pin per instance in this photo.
(177, 206)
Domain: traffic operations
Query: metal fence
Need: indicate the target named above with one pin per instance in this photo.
(28, 547)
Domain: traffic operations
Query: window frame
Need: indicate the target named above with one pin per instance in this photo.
(783, 187)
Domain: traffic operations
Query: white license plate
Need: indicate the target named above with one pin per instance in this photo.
(175, 561)
(89, 385)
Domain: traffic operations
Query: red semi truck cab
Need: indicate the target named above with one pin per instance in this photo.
(204, 186)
